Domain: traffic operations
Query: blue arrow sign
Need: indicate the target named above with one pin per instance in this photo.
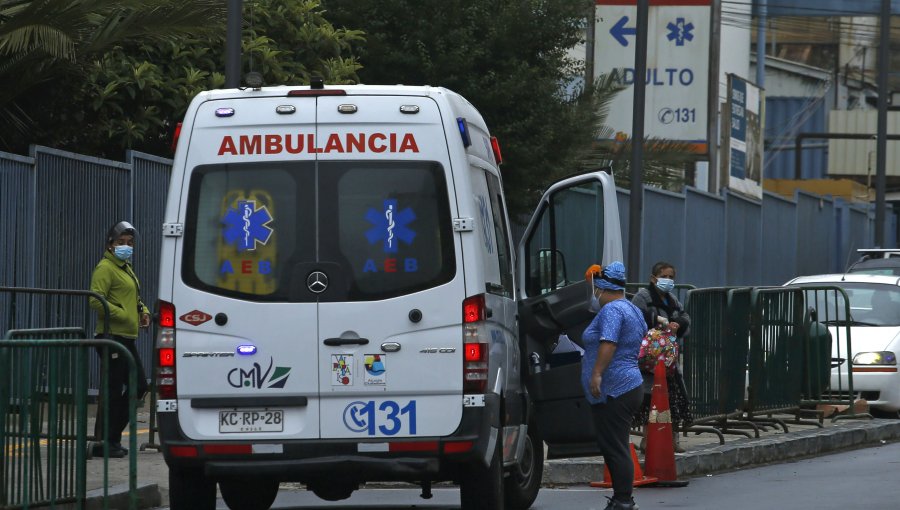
(618, 31)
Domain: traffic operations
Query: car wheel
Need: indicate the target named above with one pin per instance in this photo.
(249, 494)
(190, 489)
(524, 481)
(480, 486)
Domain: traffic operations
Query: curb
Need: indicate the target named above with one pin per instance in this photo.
(148, 496)
(743, 453)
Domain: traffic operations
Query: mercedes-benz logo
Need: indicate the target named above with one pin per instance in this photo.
(317, 282)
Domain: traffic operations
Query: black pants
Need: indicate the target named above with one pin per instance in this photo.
(612, 422)
(116, 372)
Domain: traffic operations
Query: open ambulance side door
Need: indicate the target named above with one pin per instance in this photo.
(576, 224)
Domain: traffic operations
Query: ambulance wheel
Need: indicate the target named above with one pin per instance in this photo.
(524, 480)
(249, 494)
(189, 489)
(480, 486)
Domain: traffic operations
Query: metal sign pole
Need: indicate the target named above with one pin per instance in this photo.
(636, 201)
(884, 63)
(233, 45)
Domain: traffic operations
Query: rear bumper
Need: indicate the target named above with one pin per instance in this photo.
(334, 467)
(346, 459)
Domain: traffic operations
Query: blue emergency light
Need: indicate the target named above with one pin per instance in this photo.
(246, 350)
(464, 131)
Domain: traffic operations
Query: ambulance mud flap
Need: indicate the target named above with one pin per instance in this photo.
(489, 431)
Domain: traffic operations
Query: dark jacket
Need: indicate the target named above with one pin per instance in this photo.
(654, 304)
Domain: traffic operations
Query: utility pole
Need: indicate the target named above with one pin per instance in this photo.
(762, 12)
(589, 41)
(636, 201)
(233, 44)
(884, 62)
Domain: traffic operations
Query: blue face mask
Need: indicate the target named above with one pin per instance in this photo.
(123, 252)
(665, 284)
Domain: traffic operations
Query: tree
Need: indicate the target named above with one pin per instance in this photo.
(46, 45)
(510, 58)
(129, 93)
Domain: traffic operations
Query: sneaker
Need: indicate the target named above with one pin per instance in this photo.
(115, 450)
(620, 505)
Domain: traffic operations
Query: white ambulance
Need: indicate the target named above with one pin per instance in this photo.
(340, 302)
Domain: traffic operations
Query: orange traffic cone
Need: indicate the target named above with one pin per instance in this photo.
(639, 478)
(660, 454)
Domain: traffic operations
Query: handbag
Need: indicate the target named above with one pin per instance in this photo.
(658, 344)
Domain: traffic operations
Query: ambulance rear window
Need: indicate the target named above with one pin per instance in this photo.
(256, 231)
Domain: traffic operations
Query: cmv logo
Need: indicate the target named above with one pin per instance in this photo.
(255, 377)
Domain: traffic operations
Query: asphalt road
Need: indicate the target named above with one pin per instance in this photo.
(866, 478)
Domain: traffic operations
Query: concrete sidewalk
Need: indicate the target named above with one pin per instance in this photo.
(704, 456)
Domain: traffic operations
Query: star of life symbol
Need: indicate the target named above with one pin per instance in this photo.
(390, 226)
(247, 226)
(680, 31)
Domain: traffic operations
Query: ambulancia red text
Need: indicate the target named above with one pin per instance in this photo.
(306, 142)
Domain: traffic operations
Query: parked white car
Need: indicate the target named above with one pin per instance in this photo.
(874, 333)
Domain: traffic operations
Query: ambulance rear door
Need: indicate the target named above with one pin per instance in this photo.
(247, 338)
(390, 335)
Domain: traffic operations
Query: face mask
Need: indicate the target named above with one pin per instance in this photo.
(665, 284)
(123, 252)
(595, 303)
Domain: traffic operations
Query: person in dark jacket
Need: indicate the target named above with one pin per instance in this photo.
(114, 279)
(661, 308)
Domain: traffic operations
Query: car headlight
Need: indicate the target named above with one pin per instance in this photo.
(875, 358)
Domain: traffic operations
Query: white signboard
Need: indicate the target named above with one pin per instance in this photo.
(743, 130)
(677, 66)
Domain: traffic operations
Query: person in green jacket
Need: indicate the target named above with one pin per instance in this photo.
(114, 279)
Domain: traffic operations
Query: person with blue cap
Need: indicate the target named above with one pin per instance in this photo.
(610, 375)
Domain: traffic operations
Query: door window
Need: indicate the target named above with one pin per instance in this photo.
(567, 239)
(501, 234)
(246, 224)
(388, 225)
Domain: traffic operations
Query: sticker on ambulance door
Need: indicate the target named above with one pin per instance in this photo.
(375, 370)
(390, 226)
(342, 370)
(247, 249)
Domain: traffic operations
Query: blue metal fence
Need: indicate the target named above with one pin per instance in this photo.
(56, 207)
(735, 241)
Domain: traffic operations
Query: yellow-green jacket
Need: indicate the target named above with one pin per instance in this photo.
(115, 280)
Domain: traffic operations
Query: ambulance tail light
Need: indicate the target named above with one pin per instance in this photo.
(165, 349)
(495, 146)
(176, 136)
(475, 345)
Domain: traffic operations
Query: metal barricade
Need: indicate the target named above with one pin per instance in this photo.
(777, 324)
(714, 360)
(828, 358)
(44, 404)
